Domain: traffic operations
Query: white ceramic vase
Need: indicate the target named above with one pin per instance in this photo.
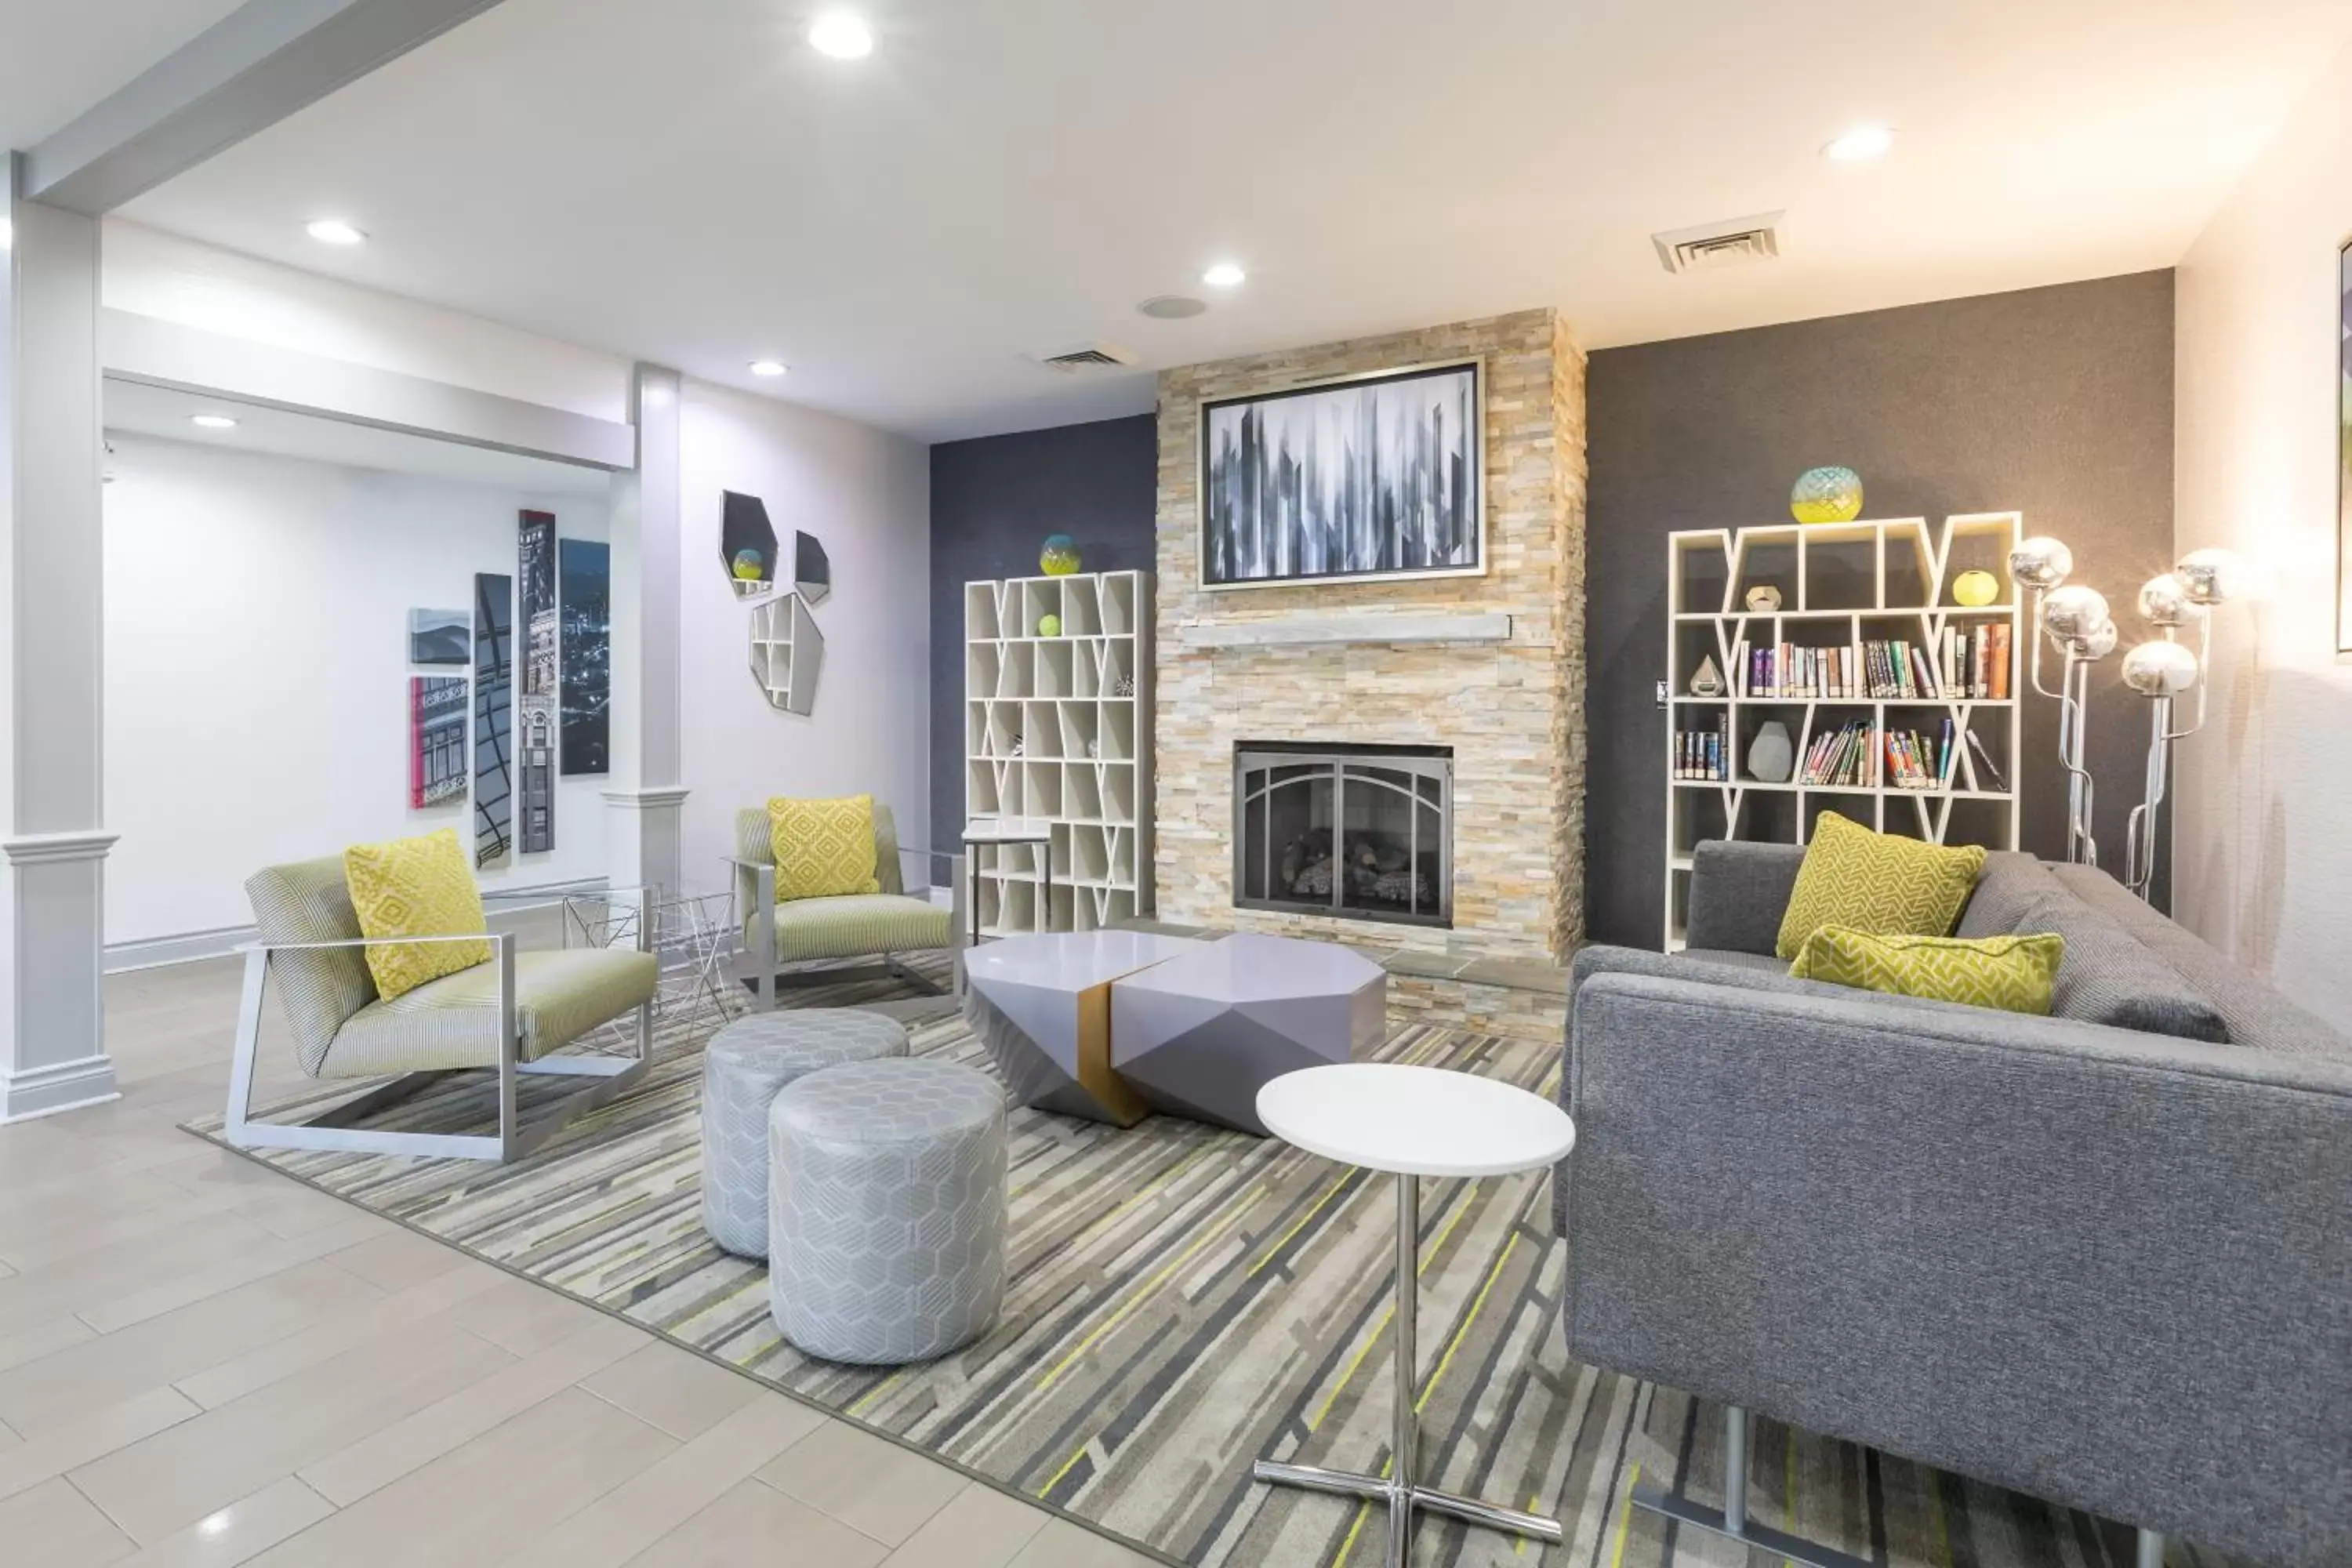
(1769, 755)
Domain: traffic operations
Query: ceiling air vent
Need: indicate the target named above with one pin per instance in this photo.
(1734, 242)
(1086, 357)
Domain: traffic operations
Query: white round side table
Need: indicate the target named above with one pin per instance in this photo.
(1412, 1122)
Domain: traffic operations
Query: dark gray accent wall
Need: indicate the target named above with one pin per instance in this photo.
(994, 502)
(2054, 401)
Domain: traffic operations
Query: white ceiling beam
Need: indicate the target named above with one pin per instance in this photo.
(264, 61)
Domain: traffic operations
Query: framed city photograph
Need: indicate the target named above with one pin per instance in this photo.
(1371, 478)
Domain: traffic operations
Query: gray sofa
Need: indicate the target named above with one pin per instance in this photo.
(2103, 1258)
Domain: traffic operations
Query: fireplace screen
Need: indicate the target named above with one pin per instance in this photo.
(1366, 832)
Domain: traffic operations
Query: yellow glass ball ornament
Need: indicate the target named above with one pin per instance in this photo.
(1049, 625)
(1826, 495)
(1975, 589)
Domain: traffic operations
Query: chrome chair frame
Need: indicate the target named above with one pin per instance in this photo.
(331, 1129)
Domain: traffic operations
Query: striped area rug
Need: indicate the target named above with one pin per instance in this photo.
(1183, 1299)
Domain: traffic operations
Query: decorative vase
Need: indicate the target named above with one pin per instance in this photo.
(1769, 755)
(1826, 495)
(751, 566)
(1763, 598)
(1706, 681)
(1049, 625)
(1975, 589)
(1060, 556)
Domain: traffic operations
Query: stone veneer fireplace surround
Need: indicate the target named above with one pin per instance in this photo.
(1490, 667)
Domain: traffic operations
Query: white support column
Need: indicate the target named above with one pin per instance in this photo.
(645, 800)
(52, 933)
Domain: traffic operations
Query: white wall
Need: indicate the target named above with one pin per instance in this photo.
(866, 496)
(2263, 836)
(257, 690)
(150, 273)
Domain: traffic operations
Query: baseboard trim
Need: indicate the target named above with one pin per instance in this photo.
(59, 1087)
(196, 946)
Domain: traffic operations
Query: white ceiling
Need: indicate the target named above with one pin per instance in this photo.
(59, 57)
(138, 409)
(690, 184)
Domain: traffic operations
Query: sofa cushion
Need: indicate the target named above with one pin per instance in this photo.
(2009, 884)
(2010, 974)
(856, 925)
(1732, 958)
(1875, 881)
(2109, 977)
(2254, 1013)
(1740, 890)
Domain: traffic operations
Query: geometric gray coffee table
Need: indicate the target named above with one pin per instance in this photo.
(1201, 1034)
(1041, 1003)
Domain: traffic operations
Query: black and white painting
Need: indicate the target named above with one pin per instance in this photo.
(440, 637)
(1376, 477)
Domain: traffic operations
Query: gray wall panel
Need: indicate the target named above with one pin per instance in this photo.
(2055, 402)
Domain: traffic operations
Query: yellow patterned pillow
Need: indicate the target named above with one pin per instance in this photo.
(822, 848)
(415, 887)
(2014, 973)
(1879, 882)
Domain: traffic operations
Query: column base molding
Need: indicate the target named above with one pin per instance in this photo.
(50, 848)
(29, 1092)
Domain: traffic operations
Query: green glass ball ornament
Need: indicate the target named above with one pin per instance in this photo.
(1826, 495)
(1060, 556)
(748, 565)
(1049, 625)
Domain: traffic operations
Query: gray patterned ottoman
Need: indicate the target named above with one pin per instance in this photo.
(886, 1210)
(744, 1068)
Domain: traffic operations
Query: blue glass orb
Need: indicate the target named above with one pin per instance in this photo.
(1060, 556)
(1826, 495)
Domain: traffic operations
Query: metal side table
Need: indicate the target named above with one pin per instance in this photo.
(1412, 1122)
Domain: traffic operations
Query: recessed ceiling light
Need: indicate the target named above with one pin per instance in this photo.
(1224, 275)
(769, 368)
(333, 231)
(1173, 306)
(1860, 144)
(841, 36)
(212, 421)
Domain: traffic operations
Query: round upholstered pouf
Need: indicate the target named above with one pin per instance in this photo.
(744, 1068)
(886, 1210)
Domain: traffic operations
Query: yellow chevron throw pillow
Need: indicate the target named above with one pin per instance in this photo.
(415, 887)
(2014, 973)
(1880, 882)
(822, 848)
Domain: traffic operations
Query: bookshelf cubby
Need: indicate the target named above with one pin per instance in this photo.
(1058, 731)
(1841, 585)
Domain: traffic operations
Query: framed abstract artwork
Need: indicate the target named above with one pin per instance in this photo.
(2344, 448)
(440, 637)
(1362, 479)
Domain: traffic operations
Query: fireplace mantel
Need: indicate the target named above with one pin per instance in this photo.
(1488, 626)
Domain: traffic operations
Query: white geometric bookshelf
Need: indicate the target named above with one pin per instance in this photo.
(1841, 584)
(787, 653)
(1058, 730)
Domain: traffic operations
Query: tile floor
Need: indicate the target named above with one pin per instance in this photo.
(204, 1363)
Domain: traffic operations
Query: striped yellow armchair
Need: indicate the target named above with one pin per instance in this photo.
(511, 1014)
(851, 925)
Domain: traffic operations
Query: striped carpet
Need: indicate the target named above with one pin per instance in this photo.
(1184, 1299)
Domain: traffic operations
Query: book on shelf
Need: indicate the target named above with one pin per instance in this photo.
(1984, 765)
(1859, 755)
(1703, 756)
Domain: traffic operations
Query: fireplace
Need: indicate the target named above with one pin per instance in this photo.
(1358, 832)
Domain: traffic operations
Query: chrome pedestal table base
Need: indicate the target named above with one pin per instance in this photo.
(1400, 1490)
